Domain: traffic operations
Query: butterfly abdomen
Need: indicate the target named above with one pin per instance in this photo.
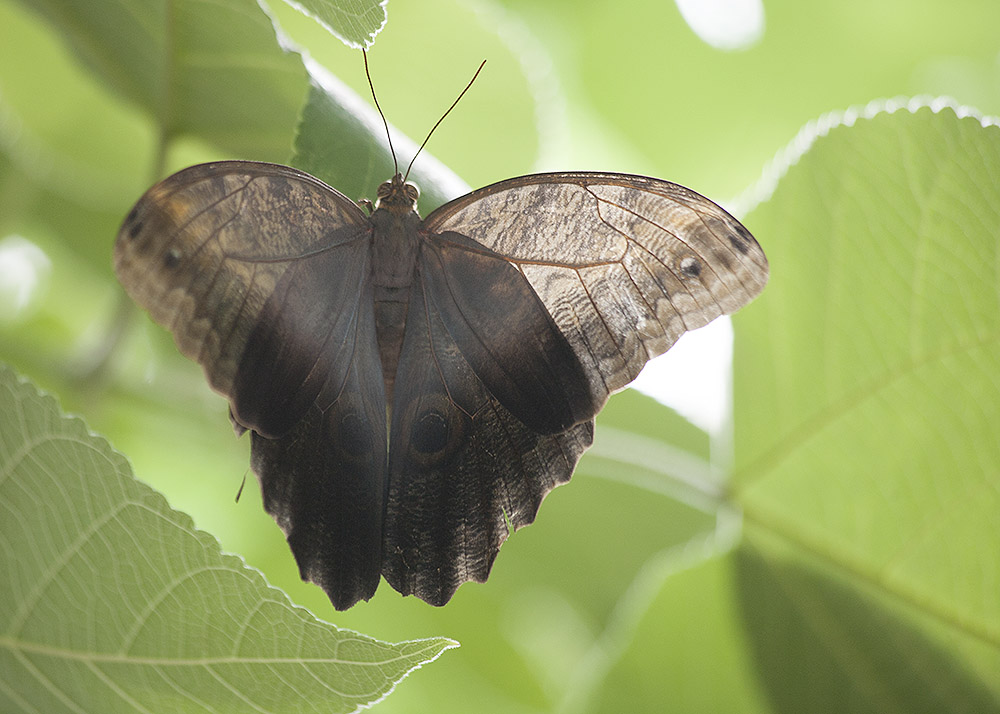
(395, 243)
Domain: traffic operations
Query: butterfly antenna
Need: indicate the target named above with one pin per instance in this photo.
(442, 118)
(395, 166)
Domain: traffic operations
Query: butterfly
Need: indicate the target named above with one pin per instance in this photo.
(413, 388)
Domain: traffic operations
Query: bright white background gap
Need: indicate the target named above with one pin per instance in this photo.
(694, 376)
(725, 24)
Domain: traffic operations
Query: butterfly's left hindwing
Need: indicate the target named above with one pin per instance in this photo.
(325, 481)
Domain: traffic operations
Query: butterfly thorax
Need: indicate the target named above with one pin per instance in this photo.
(395, 242)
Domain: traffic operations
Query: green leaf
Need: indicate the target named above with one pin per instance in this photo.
(425, 56)
(823, 639)
(218, 73)
(756, 631)
(684, 126)
(212, 70)
(685, 647)
(342, 141)
(355, 22)
(874, 354)
(111, 601)
(867, 468)
(868, 397)
(68, 156)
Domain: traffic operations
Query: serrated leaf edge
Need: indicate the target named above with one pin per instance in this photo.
(789, 155)
(232, 559)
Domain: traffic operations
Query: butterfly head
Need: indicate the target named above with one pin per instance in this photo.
(397, 193)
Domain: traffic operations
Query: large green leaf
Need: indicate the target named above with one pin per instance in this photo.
(711, 119)
(421, 61)
(219, 73)
(68, 155)
(867, 464)
(327, 145)
(875, 356)
(111, 601)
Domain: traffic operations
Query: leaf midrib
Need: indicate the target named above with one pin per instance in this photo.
(19, 646)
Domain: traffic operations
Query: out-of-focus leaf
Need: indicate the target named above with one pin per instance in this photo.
(825, 640)
(868, 393)
(111, 601)
(69, 157)
(684, 647)
(710, 119)
(211, 70)
(342, 141)
(217, 72)
(355, 22)
(423, 58)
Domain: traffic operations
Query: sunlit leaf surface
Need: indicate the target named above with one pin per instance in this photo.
(113, 602)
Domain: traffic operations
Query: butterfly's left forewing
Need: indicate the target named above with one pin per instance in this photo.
(257, 270)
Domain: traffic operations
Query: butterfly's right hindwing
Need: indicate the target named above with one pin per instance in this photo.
(463, 469)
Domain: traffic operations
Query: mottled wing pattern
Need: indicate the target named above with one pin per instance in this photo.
(463, 470)
(624, 264)
(257, 270)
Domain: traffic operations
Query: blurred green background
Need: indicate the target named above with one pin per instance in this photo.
(624, 86)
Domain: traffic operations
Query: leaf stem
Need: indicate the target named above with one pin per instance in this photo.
(657, 467)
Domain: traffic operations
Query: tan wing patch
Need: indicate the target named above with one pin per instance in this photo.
(624, 264)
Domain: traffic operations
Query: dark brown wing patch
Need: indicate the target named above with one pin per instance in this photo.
(461, 466)
(505, 334)
(324, 482)
(225, 256)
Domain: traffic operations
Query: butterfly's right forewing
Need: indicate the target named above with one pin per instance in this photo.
(624, 264)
